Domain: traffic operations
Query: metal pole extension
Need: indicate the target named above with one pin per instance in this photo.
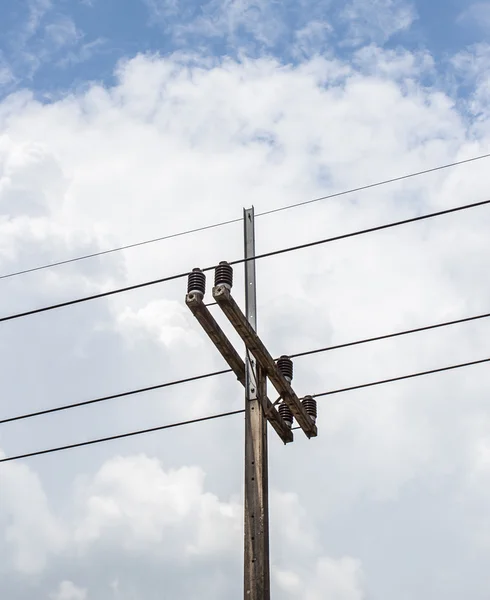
(256, 555)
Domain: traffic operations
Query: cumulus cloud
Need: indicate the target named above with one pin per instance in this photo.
(181, 141)
(31, 532)
(139, 505)
(132, 507)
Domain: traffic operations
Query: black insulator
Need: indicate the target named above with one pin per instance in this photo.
(223, 275)
(196, 282)
(310, 406)
(286, 414)
(285, 365)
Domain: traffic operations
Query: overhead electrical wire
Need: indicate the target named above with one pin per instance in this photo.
(391, 335)
(150, 388)
(256, 257)
(230, 413)
(401, 378)
(369, 186)
(119, 249)
(121, 436)
(229, 222)
(167, 384)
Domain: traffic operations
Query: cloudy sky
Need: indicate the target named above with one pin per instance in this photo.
(124, 121)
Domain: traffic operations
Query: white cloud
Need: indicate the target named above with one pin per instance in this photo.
(477, 14)
(232, 18)
(48, 35)
(69, 591)
(26, 170)
(339, 579)
(134, 508)
(83, 52)
(312, 38)
(301, 569)
(396, 64)
(168, 321)
(31, 532)
(247, 26)
(472, 61)
(470, 68)
(182, 141)
(6, 75)
(140, 505)
(294, 528)
(335, 579)
(161, 8)
(63, 32)
(376, 21)
(37, 11)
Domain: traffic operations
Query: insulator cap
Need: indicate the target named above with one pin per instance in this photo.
(310, 406)
(196, 283)
(285, 365)
(286, 414)
(223, 275)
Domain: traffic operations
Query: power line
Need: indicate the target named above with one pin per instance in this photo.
(235, 412)
(243, 260)
(229, 222)
(401, 378)
(175, 382)
(128, 288)
(346, 236)
(389, 335)
(374, 185)
(119, 248)
(120, 436)
(150, 388)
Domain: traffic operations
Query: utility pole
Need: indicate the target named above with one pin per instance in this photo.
(256, 526)
(259, 409)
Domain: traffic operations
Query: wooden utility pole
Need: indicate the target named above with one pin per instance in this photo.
(256, 526)
(259, 409)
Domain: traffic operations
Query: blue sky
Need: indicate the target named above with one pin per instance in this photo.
(53, 45)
